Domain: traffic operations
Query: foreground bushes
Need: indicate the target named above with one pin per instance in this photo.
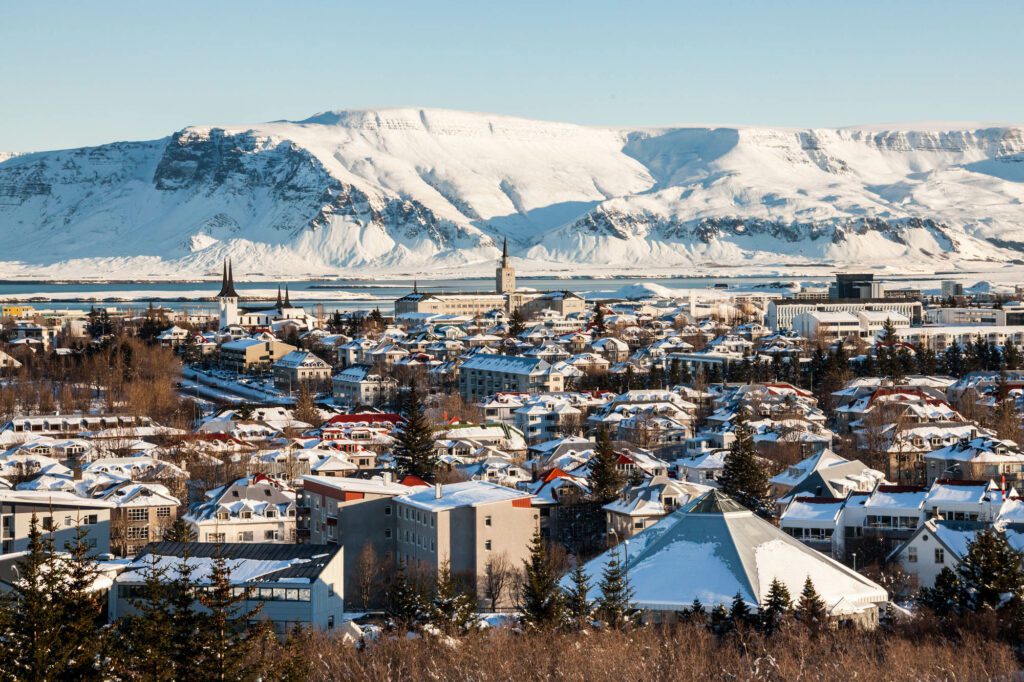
(683, 652)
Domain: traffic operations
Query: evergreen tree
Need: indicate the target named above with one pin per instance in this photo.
(947, 597)
(577, 601)
(141, 642)
(48, 627)
(543, 603)
(451, 610)
(719, 620)
(405, 604)
(739, 611)
(605, 479)
(1011, 356)
(614, 606)
(597, 323)
(776, 607)
(743, 476)
(414, 444)
(696, 613)
(179, 531)
(810, 610)
(991, 571)
(223, 645)
(516, 323)
(953, 361)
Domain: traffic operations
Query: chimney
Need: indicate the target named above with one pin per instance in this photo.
(388, 477)
(437, 491)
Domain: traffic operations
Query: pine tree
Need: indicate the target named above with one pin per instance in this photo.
(48, 627)
(719, 620)
(614, 605)
(696, 613)
(776, 607)
(577, 602)
(991, 571)
(947, 597)
(606, 480)
(414, 444)
(743, 476)
(405, 604)
(953, 361)
(140, 645)
(543, 604)
(810, 610)
(179, 531)
(1011, 355)
(739, 611)
(451, 610)
(222, 642)
(597, 323)
(516, 323)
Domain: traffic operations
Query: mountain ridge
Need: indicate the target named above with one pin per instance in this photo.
(392, 189)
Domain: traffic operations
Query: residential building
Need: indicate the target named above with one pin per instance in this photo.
(364, 385)
(301, 368)
(61, 514)
(256, 509)
(292, 586)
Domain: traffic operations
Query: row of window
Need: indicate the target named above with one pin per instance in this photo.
(142, 513)
(940, 555)
(69, 521)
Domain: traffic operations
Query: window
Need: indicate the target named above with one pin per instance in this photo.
(940, 555)
(271, 535)
(487, 520)
(270, 513)
(638, 524)
(222, 516)
(138, 533)
(138, 514)
(487, 545)
(163, 512)
(245, 536)
(912, 555)
(47, 523)
(215, 537)
(245, 515)
(387, 510)
(387, 533)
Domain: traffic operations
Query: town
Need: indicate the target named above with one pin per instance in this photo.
(845, 458)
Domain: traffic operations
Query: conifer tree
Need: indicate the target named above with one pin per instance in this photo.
(1011, 355)
(719, 620)
(739, 611)
(48, 617)
(777, 604)
(451, 610)
(543, 603)
(810, 610)
(743, 476)
(222, 644)
(414, 444)
(991, 571)
(405, 604)
(696, 613)
(947, 597)
(953, 360)
(577, 602)
(614, 605)
(140, 645)
(597, 322)
(516, 323)
(179, 531)
(606, 480)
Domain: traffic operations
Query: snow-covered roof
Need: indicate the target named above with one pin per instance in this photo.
(465, 494)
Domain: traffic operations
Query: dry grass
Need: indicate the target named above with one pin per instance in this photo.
(680, 653)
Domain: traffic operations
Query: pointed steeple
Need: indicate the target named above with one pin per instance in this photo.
(287, 298)
(504, 253)
(227, 283)
(415, 287)
(279, 303)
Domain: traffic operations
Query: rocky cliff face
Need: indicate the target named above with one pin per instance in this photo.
(407, 188)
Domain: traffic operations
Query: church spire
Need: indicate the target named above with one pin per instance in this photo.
(279, 303)
(287, 298)
(504, 253)
(227, 282)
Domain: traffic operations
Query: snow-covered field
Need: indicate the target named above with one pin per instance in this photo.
(420, 192)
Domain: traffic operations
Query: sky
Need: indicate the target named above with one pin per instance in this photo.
(83, 73)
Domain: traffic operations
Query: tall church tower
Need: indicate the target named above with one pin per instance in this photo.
(505, 275)
(228, 298)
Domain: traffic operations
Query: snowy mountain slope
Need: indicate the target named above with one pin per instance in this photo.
(397, 189)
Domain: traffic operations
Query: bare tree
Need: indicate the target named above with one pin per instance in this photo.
(497, 578)
(368, 566)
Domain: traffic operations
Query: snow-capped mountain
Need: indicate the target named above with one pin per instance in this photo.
(397, 189)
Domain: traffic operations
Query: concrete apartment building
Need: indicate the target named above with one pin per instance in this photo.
(60, 514)
(364, 385)
(140, 515)
(781, 313)
(299, 368)
(466, 524)
(484, 375)
(354, 513)
(253, 353)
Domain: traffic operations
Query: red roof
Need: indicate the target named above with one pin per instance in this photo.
(412, 481)
(368, 417)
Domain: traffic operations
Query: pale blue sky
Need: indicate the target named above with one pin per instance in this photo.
(76, 73)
